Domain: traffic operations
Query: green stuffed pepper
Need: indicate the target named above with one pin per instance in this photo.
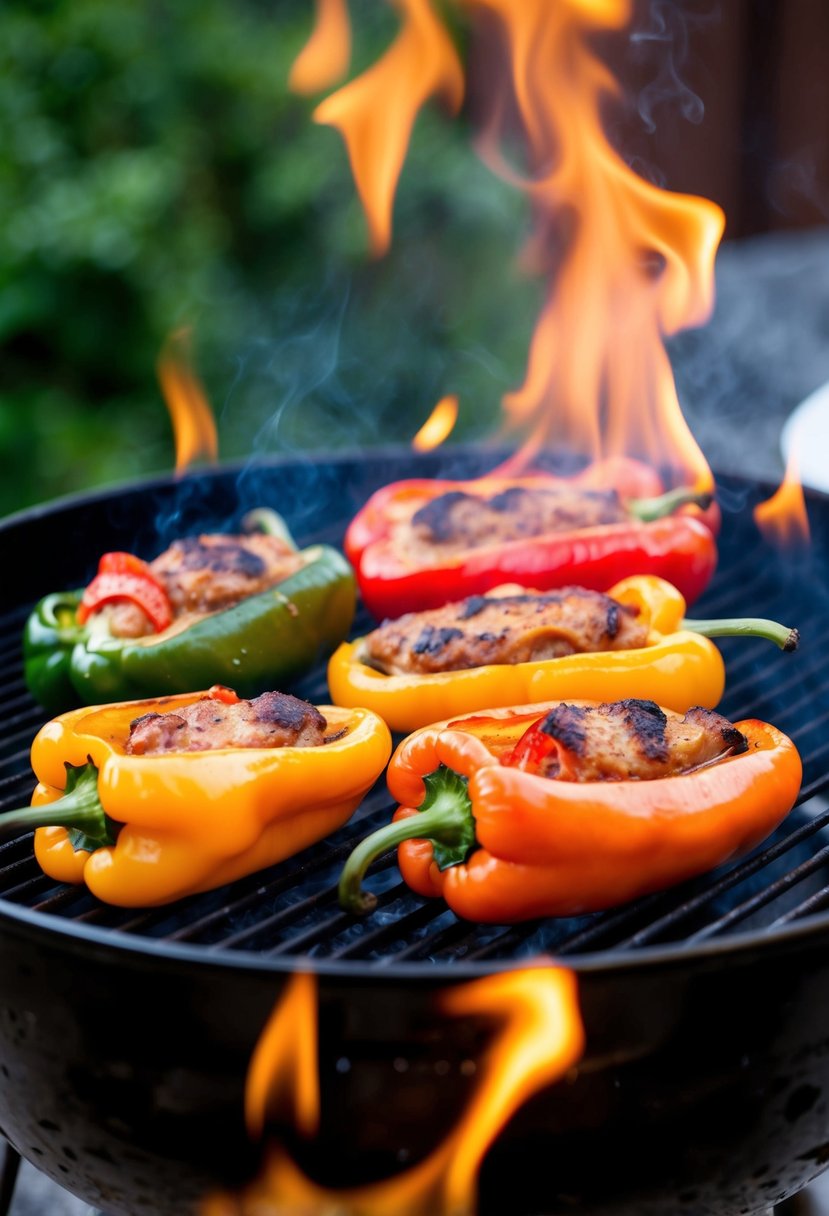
(197, 622)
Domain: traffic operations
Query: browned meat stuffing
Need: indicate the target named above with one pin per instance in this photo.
(273, 720)
(634, 740)
(504, 628)
(470, 520)
(208, 573)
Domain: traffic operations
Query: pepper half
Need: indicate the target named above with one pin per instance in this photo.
(679, 546)
(678, 668)
(142, 830)
(261, 642)
(501, 844)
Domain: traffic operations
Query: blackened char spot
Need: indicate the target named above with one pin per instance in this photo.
(613, 617)
(566, 724)
(472, 606)
(510, 499)
(228, 557)
(144, 718)
(647, 723)
(432, 640)
(733, 740)
(437, 514)
(286, 711)
(476, 604)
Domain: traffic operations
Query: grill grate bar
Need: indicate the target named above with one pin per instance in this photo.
(609, 926)
(744, 585)
(388, 933)
(808, 907)
(818, 786)
(331, 924)
(746, 869)
(62, 899)
(447, 938)
(23, 735)
(259, 894)
(762, 898)
(22, 867)
(12, 782)
(29, 891)
(781, 681)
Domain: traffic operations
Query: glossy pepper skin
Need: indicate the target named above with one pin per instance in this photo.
(678, 668)
(680, 547)
(540, 847)
(262, 642)
(190, 821)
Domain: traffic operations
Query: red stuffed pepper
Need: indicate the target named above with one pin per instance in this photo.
(419, 544)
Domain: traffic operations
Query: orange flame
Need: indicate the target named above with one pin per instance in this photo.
(639, 266)
(542, 1037)
(284, 1065)
(438, 426)
(326, 55)
(782, 519)
(376, 112)
(194, 428)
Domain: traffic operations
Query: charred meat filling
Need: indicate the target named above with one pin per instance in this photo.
(504, 627)
(274, 719)
(471, 521)
(634, 740)
(208, 573)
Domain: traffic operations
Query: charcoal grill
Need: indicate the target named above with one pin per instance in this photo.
(125, 1035)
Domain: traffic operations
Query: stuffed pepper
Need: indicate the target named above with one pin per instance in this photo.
(576, 806)
(149, 801)
(420, 544)
(248, 610)
(514, 646)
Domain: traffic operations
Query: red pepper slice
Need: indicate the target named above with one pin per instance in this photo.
(123, 576)
(221, 692)
(531, 750)
(123, 563)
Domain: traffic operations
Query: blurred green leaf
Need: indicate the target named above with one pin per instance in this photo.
(154, 172)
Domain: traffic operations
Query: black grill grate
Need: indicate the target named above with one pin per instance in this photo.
(291, 912)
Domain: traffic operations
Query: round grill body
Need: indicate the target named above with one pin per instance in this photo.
(126, 1036)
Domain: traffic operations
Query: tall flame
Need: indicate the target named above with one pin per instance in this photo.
(376, 112)
(639, 264)
(783, 519)
(283, 1071)
(639, 261)
(194, 428)
(326, 55)
(542, 1037)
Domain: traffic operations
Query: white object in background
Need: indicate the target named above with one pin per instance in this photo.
(807, 432)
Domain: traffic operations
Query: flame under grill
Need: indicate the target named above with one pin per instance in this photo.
(290, 912)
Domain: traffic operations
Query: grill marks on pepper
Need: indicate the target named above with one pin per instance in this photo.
(633, 740)
(473, 520)
(504, 627)
(273, 719)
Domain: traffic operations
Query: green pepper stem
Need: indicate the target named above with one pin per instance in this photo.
(648, 509)
(444, 818)
(78, 809)
(746, 627)
(264, 519)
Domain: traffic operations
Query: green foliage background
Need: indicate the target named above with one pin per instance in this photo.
(155, 172)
